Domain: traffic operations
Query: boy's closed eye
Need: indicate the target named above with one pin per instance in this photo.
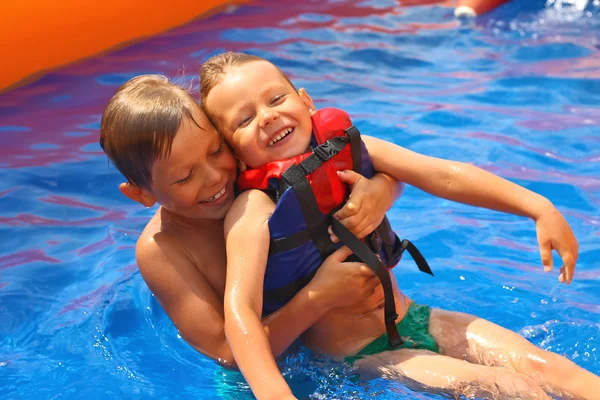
(277, 99)
(244, 122)
(186, 179)
(214, 153)
(220, 149)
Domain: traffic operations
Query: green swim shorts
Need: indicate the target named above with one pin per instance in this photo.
(414, 329)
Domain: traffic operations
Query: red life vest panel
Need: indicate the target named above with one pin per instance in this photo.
(329, 190)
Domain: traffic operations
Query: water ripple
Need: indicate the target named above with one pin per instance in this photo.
(515, 92)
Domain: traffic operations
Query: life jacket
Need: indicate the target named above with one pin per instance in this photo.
(307, 191)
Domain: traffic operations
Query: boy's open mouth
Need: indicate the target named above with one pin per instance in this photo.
(281, 135)
(216, 197)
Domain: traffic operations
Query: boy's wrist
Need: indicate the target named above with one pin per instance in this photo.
(538, 206)
(278, 390)
(317, 301)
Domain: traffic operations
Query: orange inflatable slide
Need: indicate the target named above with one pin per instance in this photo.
(40, 35)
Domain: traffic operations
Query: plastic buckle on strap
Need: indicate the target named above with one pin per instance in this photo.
(325, 151)
(391, 318)
(395, 342)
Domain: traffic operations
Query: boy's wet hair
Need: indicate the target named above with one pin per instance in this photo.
(140, 122)
(215, 67)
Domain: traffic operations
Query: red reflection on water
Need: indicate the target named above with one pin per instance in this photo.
(511, 244)
(595, 308)
(7, 191)
(31, 219)
(519, 266)
(95, 297)
(514, 143)
(25, 257)
(66, 201)
(107, 241)
(530, 174)
(468, 221)
(89, 299)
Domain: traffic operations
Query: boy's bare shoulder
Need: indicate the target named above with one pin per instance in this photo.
(251, 202)
(166, 245)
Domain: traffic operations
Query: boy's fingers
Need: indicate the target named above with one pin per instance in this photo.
(341, 254)
(349, 177)
(348, 210)
(365, 231)
(350, 222)
(366, 271)
(546, 254)
(374, 280)
(332, 237)
(568, 265)
(355, 223)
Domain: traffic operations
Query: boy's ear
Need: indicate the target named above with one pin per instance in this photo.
(308, 102)
(135, 193)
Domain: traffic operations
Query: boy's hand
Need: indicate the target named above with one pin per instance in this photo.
(368, 202)
(554, 233)
(338, 283)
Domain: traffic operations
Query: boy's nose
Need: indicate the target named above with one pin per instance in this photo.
(212, 175)
(268, 116)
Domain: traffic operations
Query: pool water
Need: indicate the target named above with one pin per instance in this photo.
(516, 92)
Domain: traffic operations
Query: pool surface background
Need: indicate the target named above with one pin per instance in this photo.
(516, 92)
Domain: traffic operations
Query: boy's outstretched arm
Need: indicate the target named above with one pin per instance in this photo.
(247, 241)
(469, 184)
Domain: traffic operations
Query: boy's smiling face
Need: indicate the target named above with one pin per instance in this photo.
(197, 178)
(261, 115)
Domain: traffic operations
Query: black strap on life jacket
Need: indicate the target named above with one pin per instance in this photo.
(393, 247)
(296, 177)
(354, 136)
(321, 153)
(374, 262)
(422, 264)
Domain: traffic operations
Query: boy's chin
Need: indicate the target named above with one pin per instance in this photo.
(206, 214)
(218, 211)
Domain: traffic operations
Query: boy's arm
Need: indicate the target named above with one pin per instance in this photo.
(185, 295)
(469, 184)
(197, 310)
(247, 243)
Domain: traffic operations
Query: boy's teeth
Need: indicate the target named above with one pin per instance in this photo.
(216, 196)
(280, 136)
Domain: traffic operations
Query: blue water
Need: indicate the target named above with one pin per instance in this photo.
(516, 92)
